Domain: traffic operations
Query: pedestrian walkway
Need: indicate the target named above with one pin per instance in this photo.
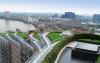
(72, 44)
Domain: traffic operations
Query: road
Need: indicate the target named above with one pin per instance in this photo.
(35, 41)
(46, 39)
(41, 55)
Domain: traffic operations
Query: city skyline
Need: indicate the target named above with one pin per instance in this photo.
(51, 6)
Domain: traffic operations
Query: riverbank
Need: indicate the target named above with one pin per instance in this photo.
(12, 25)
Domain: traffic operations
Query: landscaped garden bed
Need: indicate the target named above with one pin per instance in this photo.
(36, 35)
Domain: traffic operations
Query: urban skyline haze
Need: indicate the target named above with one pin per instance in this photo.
(52, 6)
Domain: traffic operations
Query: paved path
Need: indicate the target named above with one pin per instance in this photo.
(35, 42)
(65, 56)
(46, 39)
(41, 55)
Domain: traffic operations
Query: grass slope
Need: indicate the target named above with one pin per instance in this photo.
(54, 36)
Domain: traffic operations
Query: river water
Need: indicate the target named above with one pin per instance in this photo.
(12, 25)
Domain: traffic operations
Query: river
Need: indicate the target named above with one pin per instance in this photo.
(12, 25)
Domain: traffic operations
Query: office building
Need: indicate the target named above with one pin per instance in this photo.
(25, 51)
(96, 18)
(13, 50)
(69, 15)
(4, 51)
(7, 14)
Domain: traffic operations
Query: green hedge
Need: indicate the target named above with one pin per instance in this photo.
(98, 59)
(51, 57)
(89, 41)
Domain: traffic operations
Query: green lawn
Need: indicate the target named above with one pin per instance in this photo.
(22, 35)
(54, 36)
(36, 35)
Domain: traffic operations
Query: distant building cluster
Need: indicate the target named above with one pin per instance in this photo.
(16, 16)
(96, 18)
(46, 17)
(69, 15)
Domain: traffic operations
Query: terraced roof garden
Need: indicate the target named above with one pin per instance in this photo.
(11, 33)
(51, 57)
(22, 35)
(36, 35)
(2, 34)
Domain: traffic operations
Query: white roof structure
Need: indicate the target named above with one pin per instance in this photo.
(87, 46)
(97, 31)
(67, 33)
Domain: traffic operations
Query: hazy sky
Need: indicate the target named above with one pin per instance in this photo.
(58, 6)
